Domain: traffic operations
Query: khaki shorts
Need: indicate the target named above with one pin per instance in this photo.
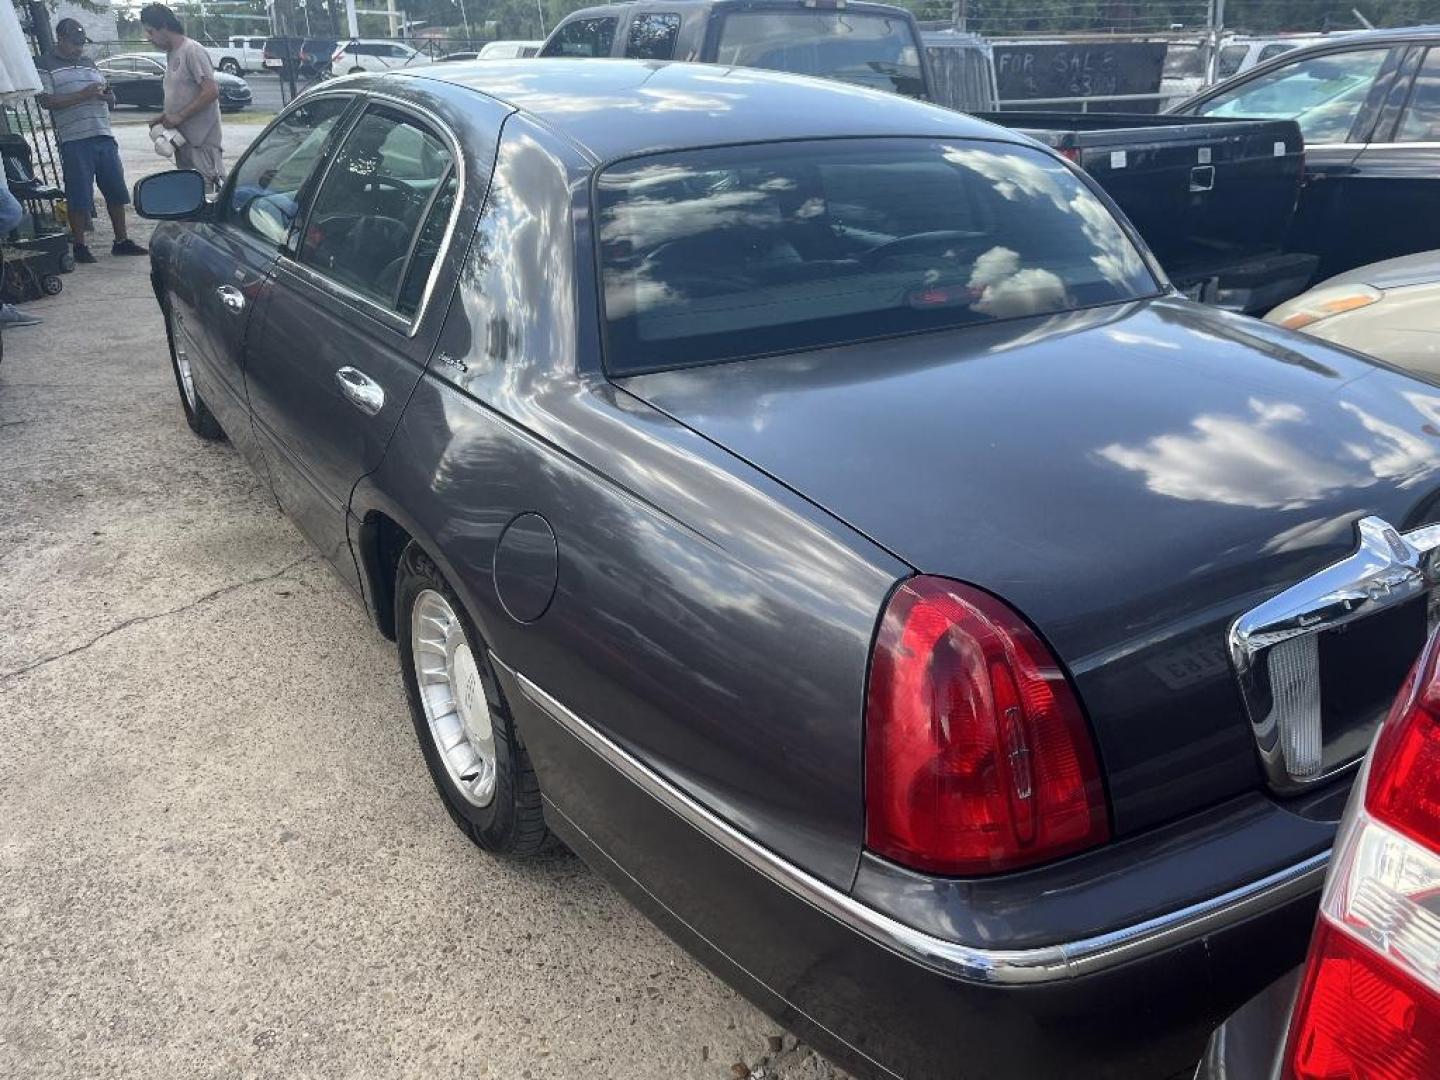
(208, 161)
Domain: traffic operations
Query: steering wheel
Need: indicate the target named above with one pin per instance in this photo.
(915, 241)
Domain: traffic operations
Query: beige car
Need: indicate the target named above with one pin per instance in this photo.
(1389, 310)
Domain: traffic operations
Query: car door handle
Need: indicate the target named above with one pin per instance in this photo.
(364, 392)
(232, 298)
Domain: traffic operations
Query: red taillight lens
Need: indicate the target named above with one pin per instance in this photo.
(1404, 788)
(977, 757)
(1358, 1018)
(1369, 1006)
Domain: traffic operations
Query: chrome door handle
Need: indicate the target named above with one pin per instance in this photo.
(364, 392)
(232, 298)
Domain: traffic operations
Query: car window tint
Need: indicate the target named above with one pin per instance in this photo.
(1421, 120)
(741, 251)
(1269, 52)
(583, 37)
(264, 195)
(1324, 94)
(652, 36)
(154, 67)
(372, 202)
(427, 247)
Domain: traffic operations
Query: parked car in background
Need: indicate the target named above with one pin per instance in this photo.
(316, 56)
(872, 45)
(509, 50)
(1366, 1004)
(893, 595)
(238, 55)
(1240, 53)
(1368, 105)
(282, 54)
(1389, 310)
(362, 54)
(138, 79)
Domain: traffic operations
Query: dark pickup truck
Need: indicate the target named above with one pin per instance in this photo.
(1212, 198)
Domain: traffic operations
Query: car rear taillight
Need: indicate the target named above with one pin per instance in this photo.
(1369, 1004)
(977, 756)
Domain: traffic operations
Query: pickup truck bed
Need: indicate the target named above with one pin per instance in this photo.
(1212, 198)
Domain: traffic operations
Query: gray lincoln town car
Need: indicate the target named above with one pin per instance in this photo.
(817, 510)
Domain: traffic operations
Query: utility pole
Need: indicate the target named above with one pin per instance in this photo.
(960, 15)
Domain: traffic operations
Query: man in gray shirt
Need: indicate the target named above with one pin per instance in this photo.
(79, 102)
(192, 100)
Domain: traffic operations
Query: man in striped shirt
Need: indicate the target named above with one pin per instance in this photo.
(79, 101)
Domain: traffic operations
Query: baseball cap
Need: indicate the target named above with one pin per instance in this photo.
(69, 28)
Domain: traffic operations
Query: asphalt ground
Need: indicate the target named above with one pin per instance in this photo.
(220, 852)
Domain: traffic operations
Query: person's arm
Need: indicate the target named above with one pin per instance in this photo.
(50, 100)
(198, 67)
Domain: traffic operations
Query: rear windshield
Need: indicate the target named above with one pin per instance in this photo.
(872, 50)
(715, 255)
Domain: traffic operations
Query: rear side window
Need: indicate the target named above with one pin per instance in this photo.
(369, 211)
(870, 50)
(1269, 52)
(742, 251)
(652, 36)
(583, 37)
(1421, 121)
(264, 196)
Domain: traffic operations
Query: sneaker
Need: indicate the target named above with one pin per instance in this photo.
(10, 315)
(82, 254)
(127, 247)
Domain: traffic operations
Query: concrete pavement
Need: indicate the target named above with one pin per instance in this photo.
(220, 853)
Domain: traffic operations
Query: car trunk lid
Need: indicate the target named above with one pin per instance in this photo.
(1131, 478)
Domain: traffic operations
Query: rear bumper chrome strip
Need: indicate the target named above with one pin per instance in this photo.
(1048, 963)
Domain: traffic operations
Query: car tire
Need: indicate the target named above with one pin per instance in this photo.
(229, 66)
(485, 778)
(197, 414)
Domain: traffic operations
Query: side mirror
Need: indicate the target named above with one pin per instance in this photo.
(177, 195)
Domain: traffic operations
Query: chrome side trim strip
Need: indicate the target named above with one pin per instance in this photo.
(1048, 963)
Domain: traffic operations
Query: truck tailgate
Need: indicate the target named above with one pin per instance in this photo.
(1205, 195)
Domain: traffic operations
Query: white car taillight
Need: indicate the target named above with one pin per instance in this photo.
(1369, 1003)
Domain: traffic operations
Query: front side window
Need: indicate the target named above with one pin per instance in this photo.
(379, 190)
(652, 36)
(1269, 52)
(149, 66)
(742, 251)
(583, 37)
(1324, 94)
(264, 195)
(870, 50)
(1421, 119)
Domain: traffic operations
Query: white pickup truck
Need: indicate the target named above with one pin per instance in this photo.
(238, 55)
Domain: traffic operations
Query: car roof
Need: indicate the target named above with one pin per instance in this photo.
(595, 103)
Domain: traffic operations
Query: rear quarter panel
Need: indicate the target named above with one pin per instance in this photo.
(705, 617)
